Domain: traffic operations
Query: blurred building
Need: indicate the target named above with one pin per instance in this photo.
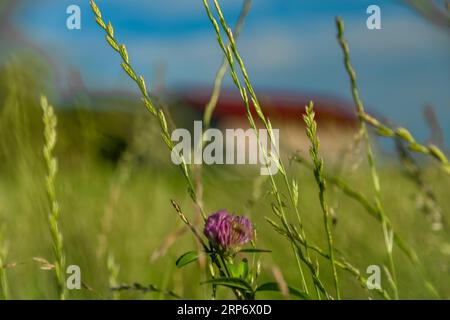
(337, 122)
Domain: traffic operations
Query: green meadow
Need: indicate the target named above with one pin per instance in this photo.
(108, 205)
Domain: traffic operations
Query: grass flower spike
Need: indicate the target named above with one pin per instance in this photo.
(50, 120)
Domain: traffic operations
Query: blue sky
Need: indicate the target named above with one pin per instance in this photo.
(288, 44)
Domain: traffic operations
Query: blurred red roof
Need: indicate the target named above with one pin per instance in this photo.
(284, 106)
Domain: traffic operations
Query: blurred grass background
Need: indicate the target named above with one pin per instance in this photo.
(113, 163)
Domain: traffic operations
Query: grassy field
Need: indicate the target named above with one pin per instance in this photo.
(134, 196)
(107, 208)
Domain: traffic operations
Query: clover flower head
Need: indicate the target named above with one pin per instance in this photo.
(228, 232)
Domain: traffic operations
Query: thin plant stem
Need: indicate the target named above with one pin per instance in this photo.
(311, 132)
(387, 231)
(113, 274)
(411, 142)
(145, 289)
(220, 75)
(4, 290)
